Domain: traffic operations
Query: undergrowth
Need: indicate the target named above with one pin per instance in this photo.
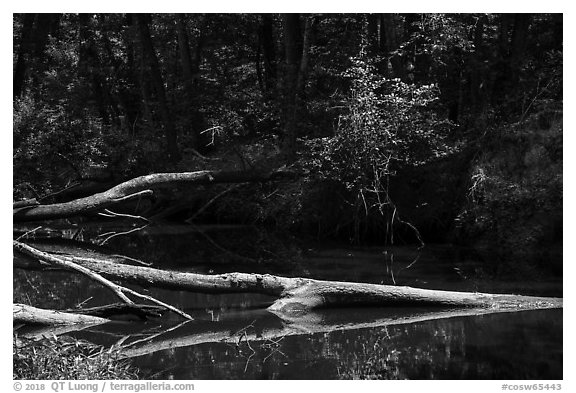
(66, 358)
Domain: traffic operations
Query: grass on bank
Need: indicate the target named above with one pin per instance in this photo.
(66, 358)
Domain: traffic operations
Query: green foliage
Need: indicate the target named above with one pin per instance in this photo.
(66, 358)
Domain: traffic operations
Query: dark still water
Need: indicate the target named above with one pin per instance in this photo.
(234, 337)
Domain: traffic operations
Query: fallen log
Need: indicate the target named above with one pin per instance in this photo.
(301, 294)
(24, 314)
(138, 187)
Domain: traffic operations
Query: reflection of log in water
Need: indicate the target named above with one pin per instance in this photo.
(274, 329)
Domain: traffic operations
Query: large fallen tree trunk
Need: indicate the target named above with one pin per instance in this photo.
(138, 187)
(300, 294)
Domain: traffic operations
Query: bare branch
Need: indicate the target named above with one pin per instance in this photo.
(67, 263)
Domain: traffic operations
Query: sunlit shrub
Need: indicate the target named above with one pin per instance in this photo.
(389, 124)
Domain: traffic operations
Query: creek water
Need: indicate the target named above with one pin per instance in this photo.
(234, 337)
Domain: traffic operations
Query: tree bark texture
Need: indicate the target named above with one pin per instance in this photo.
(296, 295)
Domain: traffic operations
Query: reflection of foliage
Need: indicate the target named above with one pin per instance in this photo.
(455, 349)
(66, 358)
(57, 290)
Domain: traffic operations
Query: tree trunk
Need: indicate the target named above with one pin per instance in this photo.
(389, 43)
(291, 27)
(475, 73)
(304, 58)
(23, 52)
(372, 34)
(184, 48)
(295, 76)
(89, 67)
(300, 294)
(519, 42)
(266, 38)
(190, 70)
(138, 187)
(158, 83)
(35, 31)
(42, 27)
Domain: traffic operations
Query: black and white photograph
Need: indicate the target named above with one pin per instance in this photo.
(287, 196)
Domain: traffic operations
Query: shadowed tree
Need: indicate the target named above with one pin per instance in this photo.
(151, 60)
(296, 50)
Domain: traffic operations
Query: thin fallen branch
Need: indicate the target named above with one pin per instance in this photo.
(160, 303)
(111, 235)
(68, 263)
(28, 233)
(111, 214)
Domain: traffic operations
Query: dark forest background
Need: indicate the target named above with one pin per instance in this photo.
(402, 128)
